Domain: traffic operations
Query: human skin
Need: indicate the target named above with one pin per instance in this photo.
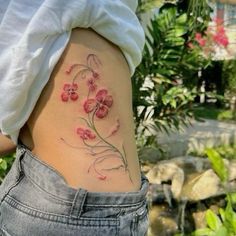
(6, 145)
(72, 118)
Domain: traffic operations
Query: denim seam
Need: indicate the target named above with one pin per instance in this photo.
(3, 231)
(45, 164)
(52, 195)
(50, 216)
(15, 203)
(89, 205)
(113, 205)
(19, 178)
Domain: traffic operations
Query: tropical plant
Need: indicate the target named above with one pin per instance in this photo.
(147, 5)
(198, 16)
(161, 101)
(229, 75)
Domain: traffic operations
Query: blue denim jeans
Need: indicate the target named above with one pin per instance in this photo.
(35, 200)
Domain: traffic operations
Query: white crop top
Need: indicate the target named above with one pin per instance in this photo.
(34, 34)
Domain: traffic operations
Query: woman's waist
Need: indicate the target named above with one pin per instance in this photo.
(102, 169)
(47, 178)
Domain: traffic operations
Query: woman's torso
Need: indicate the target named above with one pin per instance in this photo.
(87, 136)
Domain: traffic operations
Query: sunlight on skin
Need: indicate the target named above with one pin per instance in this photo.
(97, 105)
(6, 146)
(87, 103)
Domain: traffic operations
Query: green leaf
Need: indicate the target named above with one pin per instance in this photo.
(3, 164)
(217, 164)
(213, 220)
(177, 31)
(233, 198)
(173, 103)
(222, 231)
(182, 19)
(230, 216)
(222, 214)
(203, 232)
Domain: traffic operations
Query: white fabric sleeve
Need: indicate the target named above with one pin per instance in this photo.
(34, 34)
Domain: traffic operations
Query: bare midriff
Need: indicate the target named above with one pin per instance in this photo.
(82, 124)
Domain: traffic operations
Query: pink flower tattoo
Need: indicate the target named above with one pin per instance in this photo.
(85, 134)
(96, 143)
(101, 103)
(69, 92)
(92, 85)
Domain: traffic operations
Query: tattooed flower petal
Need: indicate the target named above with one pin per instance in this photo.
(91, 84)
(89, 134)
(108, 101)
(80, 131)
(93, 88)
(89, 105)
(69, 92)
(67, 87)
(74, 96)
(101, 95)
(85, 134)
(64, 97)
(115, 128)
(74, 86)
(102, 177)
(102, 112)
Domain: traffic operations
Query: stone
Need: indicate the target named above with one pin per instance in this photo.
(165, 172)
(150, 155)
(181, 190)
(199, 216)
(202, 186)
(191, 178)
(163, 221)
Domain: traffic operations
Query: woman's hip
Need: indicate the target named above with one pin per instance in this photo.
(35, 200)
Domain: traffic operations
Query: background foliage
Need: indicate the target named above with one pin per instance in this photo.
(165, 83)
(5, 165)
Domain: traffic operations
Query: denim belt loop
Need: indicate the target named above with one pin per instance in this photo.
(78, 203)
(20, 153)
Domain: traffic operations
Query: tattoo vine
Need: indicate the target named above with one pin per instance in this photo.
(97, 106)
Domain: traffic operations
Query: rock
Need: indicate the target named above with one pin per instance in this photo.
(163, 221)
(150, 155)
(231, 165)
(181, 190)
(202, 186)
(156, 194)
(199, 216)
(165, 172)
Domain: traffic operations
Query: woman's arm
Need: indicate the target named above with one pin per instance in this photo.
(6, 145)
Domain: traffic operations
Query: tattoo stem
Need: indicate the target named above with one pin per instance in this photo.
(95, 130)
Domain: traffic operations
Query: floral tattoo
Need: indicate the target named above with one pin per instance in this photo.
(97, 105)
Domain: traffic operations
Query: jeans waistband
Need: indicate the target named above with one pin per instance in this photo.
(51, 181)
